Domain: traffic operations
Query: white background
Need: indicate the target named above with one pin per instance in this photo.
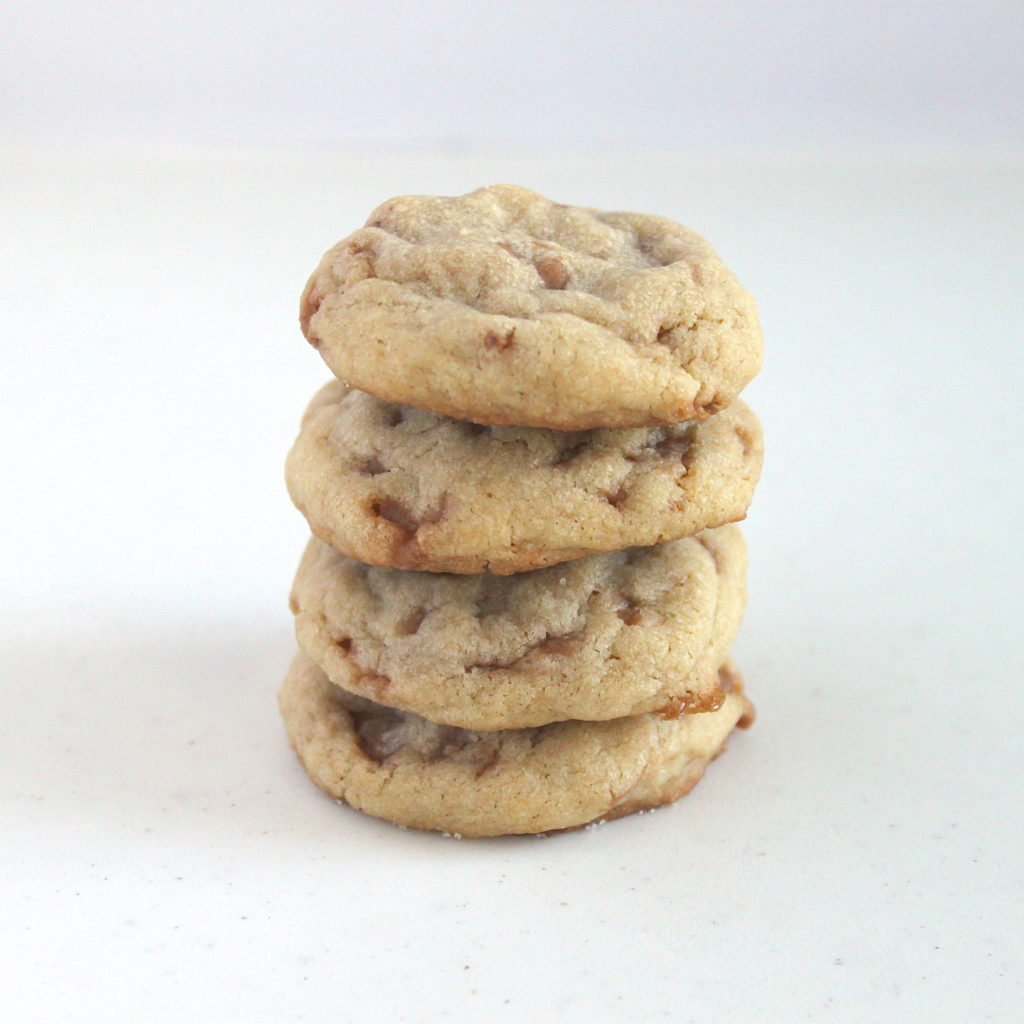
(605, 72)
(169, 177)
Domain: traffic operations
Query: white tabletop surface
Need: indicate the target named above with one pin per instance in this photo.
(857, 856)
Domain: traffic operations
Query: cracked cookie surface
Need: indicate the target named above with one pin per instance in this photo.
(410, 771)
(610, 635)
(502, 307)
(399, 487)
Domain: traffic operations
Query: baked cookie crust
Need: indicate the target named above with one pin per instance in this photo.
(399, 487)
(502, 307)
(410, 771)
(602, 637)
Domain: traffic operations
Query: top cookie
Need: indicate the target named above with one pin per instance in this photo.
(501, 307)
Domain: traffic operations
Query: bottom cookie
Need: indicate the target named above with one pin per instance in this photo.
(398, 766)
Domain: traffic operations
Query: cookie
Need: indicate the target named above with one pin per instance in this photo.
(399, 487)
(502, 307)
(601, 637)
(399, 766)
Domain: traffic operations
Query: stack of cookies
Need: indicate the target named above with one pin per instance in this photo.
(516, 609)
